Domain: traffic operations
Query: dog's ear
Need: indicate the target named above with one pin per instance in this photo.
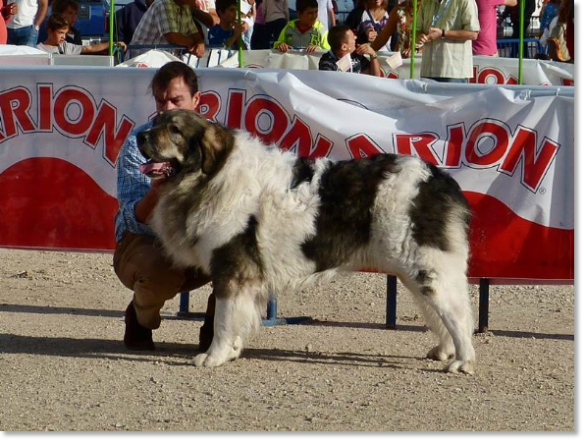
(215, 146)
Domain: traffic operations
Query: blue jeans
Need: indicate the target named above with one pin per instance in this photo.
(26, 36)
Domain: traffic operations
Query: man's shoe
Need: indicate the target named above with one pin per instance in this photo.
(136, 337)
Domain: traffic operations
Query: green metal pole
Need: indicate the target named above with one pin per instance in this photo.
(413, 38)
(240, 42)
(111, 39)
(521, 49)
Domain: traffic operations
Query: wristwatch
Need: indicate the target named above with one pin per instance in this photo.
(443, 34)
(373, 56)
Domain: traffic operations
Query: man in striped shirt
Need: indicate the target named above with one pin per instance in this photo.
(169, 22)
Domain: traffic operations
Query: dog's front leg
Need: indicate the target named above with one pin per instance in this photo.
(235, 317)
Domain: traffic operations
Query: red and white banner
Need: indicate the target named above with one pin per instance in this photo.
(510, 149)
(486, 70)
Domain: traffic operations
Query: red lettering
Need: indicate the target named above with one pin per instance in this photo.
(299, 136)
(535, 164)
(45, 107)
(421, 143)
(454, 145)
(482, 130)
(105, 124)
(235, 109)
(14, 106)
(486, 74)
(83, 122)
(362, 146)
(209, 105)
(271, 111)
(322, 147)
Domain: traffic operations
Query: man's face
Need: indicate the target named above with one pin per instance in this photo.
(57, 36)
(176, 96)
(309, 16)
(350, 39)
(70, 15)
(230, 15)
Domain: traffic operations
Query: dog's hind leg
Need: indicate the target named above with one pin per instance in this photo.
(445, 304)
(236, 316)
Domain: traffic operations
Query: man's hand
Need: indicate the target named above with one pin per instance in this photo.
(310, 49)
(11, 9)
(283, 47)
(198, 49)
(364, 49)
(239, 29)
(122, 45)
(435, 33)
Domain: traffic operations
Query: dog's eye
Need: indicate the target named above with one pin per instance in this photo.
(174, 129)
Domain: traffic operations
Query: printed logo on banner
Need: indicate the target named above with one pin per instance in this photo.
(489, 143)
(71, 110)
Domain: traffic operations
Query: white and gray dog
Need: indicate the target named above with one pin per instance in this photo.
(261, 220)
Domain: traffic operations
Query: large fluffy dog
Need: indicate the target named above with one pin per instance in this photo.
(260, 220)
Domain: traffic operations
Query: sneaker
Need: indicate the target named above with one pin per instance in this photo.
(136, 337)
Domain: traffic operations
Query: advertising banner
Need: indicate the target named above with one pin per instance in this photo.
(510, 149)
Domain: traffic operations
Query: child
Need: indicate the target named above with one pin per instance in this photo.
(306, 31)
(57, 28)
(227, 32)
(342, 41)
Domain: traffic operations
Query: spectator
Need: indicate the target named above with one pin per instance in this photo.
(368, 20)
(248, 13)
(127, 19)
(343, 42)
(205, 16)
(57, 28)
(446, 30)
(276, 16)
(259, 37)
(399, 22)
(168, 22)
(6, 13)
(139, 260)
(326, 14)
(549, 11)
(514, 13)
(69, 9)
(227, 33)
(305, 32)
(559, 39)
(486, 42)
(23, 29)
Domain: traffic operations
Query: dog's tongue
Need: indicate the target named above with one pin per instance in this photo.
(156, 168)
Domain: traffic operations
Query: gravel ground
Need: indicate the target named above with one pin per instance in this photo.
(64, 366)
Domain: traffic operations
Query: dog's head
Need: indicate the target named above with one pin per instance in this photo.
(183, 141)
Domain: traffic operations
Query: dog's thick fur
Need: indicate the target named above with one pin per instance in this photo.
(261, 220)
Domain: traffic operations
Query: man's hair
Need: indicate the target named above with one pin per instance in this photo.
(303, 5)
(57, 21)
(59, 6)
(170, 71)
(337, 35)
(222, 5)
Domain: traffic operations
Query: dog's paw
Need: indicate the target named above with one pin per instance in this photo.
(207, 360)
(439, 353)
(457, 366)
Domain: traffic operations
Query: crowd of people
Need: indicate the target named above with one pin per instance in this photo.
(448, 32)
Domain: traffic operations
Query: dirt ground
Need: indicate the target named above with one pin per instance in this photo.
(64, 366)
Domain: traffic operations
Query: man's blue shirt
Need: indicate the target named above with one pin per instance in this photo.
(132, 186)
